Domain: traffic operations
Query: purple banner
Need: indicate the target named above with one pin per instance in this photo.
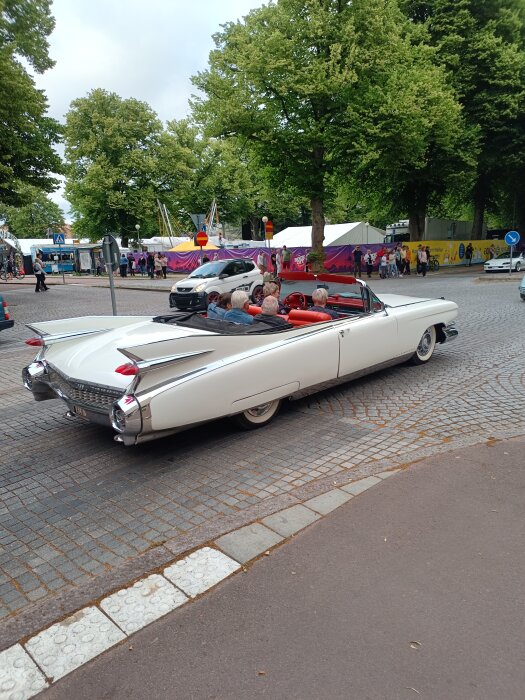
(337, 258)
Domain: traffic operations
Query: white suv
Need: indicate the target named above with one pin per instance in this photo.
(213, 278)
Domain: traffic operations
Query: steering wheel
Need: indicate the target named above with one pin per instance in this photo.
(295, 300)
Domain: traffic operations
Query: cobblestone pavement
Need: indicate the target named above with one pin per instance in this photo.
(75, 506)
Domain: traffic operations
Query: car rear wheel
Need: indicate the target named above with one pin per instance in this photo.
(257, 416)
(425, 347)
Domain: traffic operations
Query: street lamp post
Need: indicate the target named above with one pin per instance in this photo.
(137, 227)
(265, 221)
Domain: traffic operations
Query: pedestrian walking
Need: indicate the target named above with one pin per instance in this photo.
(261, 262)
(408, 259)
(278, 263)
(123, 266)
(150, 265)
(392, 267)
(164, 261)
(38, 269)
(142, 265)
(492, 251)
(369, 262)
(468, 254)
(383, 266)
(286, 255)
(358, 255)
(157, 264)
(422, 257)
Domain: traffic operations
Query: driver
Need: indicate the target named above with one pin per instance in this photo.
(319, 298)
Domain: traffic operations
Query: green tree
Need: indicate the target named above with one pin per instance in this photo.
(302, 81)
(481, 46)
(27, 135)
(34, 219)
(111, 159)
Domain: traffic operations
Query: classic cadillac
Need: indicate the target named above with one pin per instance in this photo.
(149, 377)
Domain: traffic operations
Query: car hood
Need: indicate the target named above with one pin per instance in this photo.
(94, 358)
(192, 282)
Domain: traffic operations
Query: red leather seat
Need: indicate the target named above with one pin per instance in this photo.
(254, 310)
(299, 317)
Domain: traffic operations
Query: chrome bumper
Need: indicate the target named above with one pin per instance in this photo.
(450, 332)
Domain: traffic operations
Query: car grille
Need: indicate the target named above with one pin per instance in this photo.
(94, 396)
(185, 290)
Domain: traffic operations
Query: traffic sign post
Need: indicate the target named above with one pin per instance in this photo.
(59, 239)
(512, 238)
(111, 253)
(202, 239)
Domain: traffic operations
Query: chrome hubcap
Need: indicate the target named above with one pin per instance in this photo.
(258, 411)
(425, 343)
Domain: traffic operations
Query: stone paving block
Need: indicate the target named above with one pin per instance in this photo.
(65, 646)
(327, 502)
(201, 570)
(20, 678)
(357, 487)
(248, 542)
(289, 521)
(135, 607)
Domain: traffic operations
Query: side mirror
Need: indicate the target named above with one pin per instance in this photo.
(223, 276)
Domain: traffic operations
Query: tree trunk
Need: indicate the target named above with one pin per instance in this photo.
(480, 201)
(416, 224)
(317, 223)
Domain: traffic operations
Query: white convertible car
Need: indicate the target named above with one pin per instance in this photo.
(149, 377)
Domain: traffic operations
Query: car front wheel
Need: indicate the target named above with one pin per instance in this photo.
(518, 267)
(257, 416)
(425, 347)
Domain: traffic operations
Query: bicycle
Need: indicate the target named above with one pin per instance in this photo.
(433, 264)
(15, 274)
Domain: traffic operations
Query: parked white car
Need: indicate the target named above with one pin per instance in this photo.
(205, 283)
(522, 289)
(150, 377)
(501, 263)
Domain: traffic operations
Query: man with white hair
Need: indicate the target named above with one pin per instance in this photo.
(239, 311)
(319, 298)
(270, 308)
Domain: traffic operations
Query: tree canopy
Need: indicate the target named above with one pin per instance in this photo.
(27, 135)
(35, 219)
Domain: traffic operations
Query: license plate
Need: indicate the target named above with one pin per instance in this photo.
(79, 411)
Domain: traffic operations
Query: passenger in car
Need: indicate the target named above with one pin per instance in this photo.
(273, 289)
(319, 298)
(220, 307)
(239, 311)
(270, 309)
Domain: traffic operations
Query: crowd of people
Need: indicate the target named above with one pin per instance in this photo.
(155, 266)
(393, 262)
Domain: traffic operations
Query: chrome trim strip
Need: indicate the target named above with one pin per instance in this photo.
(145, 365)
(65, 336)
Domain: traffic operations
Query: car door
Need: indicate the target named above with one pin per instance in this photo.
(368, 340)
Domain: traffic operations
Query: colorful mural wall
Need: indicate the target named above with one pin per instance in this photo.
(341, 258)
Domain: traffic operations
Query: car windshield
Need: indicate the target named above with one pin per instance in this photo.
(342, 286)
(503, 256)
(211, 269)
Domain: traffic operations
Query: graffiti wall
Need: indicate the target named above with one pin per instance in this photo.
(341, 258)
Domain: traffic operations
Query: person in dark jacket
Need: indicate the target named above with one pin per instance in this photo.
(270, 308)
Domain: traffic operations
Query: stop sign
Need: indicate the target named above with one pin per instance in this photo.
(201, 238)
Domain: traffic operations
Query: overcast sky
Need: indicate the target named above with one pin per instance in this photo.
(143, 49)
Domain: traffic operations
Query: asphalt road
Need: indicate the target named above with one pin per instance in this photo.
(80, 515)
(413, 589)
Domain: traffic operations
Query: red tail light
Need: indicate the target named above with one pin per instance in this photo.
(37, 342)
(128, 370)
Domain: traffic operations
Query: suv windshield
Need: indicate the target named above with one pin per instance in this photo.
(211, 269)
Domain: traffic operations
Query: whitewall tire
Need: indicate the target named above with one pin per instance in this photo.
(425, 347)
(257, 416)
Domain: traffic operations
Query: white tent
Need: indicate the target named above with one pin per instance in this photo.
(357, 233)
